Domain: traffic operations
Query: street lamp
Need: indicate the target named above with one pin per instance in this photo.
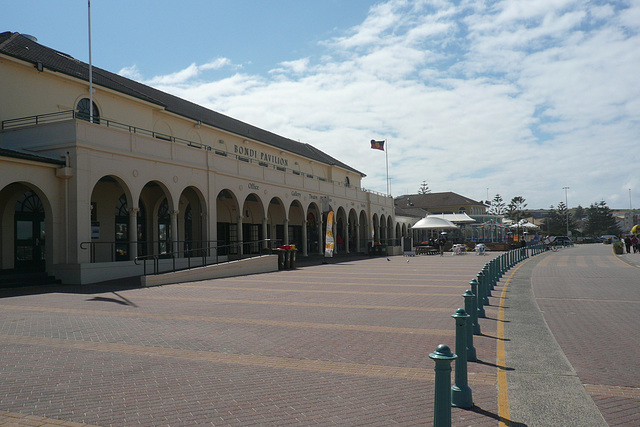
(566, 202)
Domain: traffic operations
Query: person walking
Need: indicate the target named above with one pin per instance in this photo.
(442, 240)
(627, 243)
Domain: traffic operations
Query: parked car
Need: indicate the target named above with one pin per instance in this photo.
(563, 241)
(609, 239)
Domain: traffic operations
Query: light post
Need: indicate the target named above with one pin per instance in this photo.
(566, 202)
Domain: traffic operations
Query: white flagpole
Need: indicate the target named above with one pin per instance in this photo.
(90, 70)
(386, 152)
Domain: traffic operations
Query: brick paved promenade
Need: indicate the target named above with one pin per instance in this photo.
(590, 300)
(336, 344)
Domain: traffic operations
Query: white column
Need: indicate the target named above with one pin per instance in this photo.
(174, 233)
(346, 238)
(133, 232)
(264, 233)
(240, 238)
(320, 235)
(286, 232)
(304, 238)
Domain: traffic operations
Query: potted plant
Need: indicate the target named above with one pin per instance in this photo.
(617, 248)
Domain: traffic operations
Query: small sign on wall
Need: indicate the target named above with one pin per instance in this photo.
(95, 230)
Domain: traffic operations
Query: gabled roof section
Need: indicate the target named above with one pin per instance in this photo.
(411, 212)
(433, 201)
(20, 47)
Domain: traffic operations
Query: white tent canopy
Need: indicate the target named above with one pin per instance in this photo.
(456, 218)
(434, 222)
(525, 225)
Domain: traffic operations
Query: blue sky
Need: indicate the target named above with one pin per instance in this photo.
(479, 97)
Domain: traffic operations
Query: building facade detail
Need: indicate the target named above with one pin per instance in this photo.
(81, 198)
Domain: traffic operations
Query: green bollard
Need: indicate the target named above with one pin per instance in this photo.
(460, 391)
(487, 289)
(481, 296)
(468, 308)
(494, 274)
(474, 310)
(442, 400)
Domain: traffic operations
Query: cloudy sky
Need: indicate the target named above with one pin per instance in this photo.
(478, 97)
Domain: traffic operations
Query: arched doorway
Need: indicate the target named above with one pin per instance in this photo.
(29, 234)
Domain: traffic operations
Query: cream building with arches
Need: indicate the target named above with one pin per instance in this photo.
(147, 174)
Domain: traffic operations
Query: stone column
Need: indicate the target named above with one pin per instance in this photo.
(320, 235)
(304, 238)
(266, 243)
(174, 233)
(286, 232)
(133, 233)
(240, 238)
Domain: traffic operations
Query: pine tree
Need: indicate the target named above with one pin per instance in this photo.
(424, 188)
(497, 206)
(600, 220)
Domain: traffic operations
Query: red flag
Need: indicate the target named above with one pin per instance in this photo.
(377, 145)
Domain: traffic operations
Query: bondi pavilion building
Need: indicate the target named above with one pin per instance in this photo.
(91, 185)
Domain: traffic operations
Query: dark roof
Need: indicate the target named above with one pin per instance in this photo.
(411, 212)
(25, 49)
(28, 156)
(433, 201)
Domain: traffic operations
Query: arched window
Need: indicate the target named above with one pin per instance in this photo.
(462, 210)
(347, 183)
(84, 113)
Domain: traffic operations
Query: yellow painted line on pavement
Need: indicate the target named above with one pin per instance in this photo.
(268, 362)
(503, 395)
(240, 321)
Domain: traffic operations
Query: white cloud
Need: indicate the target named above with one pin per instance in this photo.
(520, 97)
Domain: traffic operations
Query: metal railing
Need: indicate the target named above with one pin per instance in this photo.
(101, 121)
(209, 255)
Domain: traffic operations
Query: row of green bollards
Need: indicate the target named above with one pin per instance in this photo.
(467, 325)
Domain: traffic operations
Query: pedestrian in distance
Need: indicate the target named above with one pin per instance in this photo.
(442, 240)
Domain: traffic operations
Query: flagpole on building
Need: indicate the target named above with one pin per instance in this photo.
(386, 152)
(90, 69)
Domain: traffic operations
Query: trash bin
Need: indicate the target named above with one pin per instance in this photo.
(281, 257)
(287, 259)
(292, 259)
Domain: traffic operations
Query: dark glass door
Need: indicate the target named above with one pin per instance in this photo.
(29, 241)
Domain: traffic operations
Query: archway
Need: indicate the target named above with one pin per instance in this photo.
(296, 224)
(191, 222)
(365, 231)
(227, 222)
(313, 229)
(252, 224)
(276, 216)
(29, 233)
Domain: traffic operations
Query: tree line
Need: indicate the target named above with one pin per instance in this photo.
(596, 220)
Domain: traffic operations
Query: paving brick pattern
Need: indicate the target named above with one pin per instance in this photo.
(591, 301)
(335, 344)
